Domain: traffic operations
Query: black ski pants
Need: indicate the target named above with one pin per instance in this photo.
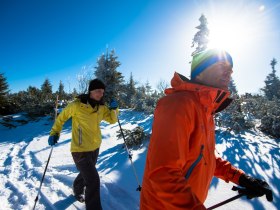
(87, 179)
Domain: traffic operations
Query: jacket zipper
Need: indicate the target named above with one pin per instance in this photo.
(189, 172)
(80, 134)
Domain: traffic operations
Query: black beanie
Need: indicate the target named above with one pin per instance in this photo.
(96, 84)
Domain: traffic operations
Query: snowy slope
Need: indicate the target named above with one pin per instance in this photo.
(24, 152)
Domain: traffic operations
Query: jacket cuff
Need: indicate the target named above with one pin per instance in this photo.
(235, 175)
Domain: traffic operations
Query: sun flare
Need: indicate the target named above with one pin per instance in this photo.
(233, 32)
(228, 34)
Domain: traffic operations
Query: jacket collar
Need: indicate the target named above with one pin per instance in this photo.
(214, 99)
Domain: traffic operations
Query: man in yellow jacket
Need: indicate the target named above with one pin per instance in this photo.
(181, 159)
(87, 112)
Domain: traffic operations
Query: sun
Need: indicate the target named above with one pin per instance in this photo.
(233, 32)
(230, 34)
(227, 34)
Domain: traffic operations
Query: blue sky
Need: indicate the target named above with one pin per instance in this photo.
(56, 39)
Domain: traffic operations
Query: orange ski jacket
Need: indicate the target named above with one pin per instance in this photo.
(181, 160)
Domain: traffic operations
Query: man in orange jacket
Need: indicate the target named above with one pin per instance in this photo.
(181, 161)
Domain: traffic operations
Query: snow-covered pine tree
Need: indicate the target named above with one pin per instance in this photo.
(270, 107)
(233, 117)
(106, 70)
(4, 90)
(270, 121)
(33, 95)
(272, 83)
(150, 99)
(46, 89)
(145, 99)
(139, 99)
(130, 92)
(61, 93)
(252, 107)
(201, 37)
(74, 93)
(32, 99)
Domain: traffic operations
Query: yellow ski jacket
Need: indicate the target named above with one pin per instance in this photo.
(86, 133)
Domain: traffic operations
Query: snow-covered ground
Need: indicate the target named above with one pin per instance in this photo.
(24, 151)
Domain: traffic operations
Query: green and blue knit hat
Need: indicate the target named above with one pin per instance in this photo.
(207, 58)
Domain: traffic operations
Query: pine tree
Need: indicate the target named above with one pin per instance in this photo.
(272, 83)
(4, 89)
(233, 117)
(34, 94)
(61, 93)
(201, 37)
(130, 92)
(46, 89)
(145, 100)
(106, 71)
(232, 88)
(139, 99)
(31, 99)
(270, 120)
(148, 88)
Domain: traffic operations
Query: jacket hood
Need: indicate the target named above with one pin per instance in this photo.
(215, 98)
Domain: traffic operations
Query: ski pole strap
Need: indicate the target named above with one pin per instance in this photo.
(234, 188)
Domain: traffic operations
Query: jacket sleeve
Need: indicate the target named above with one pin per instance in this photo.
(167, 155)
(62, 118)
(111, 116)
(224, 170)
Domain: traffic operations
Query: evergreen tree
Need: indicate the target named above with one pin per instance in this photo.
(233, 117)
(232, 88)
(263, 113)
(34, 94)
(201, 37)
(31, 99)
(4, 89)
(74, 93)
(145, 100)
(61, 93)
(251, 106)
(130, 92)
(139, 99)
(148, 88)
(270, 120)
(272, 83)
(46, 89)
(106, 70)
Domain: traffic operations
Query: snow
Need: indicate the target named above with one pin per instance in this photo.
(24, 152)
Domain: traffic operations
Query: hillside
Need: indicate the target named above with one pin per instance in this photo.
(24, 152)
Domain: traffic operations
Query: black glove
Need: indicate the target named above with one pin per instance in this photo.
(255, 187)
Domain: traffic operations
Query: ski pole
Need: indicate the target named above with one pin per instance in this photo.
(130, 158)
(225, 201)
(39, 190)
(228, 200)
